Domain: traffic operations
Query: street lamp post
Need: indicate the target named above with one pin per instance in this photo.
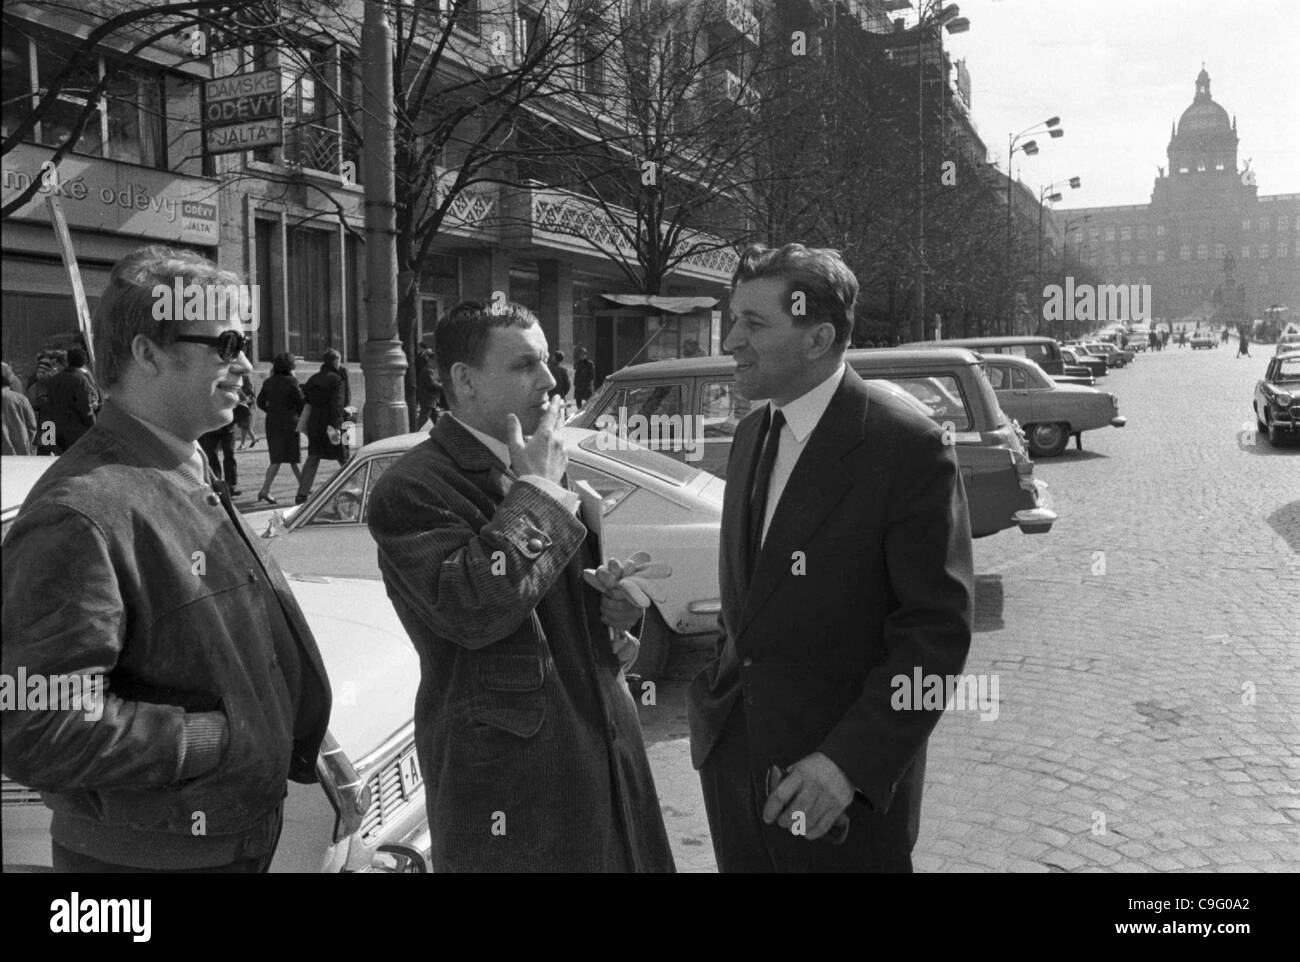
(1078, 251)
(1074, 183)
(1030, 148)
(932, 14)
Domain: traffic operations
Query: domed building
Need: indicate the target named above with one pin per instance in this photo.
(1204, 208)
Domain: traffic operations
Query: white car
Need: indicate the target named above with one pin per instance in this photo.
(652, 503)
(367, 813)
(1287, 343)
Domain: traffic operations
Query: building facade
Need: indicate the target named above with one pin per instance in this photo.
(1206, 229)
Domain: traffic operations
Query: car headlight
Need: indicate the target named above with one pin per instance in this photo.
(1283, 400)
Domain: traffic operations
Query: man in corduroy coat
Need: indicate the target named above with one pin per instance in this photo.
(527, 735)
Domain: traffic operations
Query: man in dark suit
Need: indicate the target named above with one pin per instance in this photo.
(72, 401)
(527, 735)
(845, 567)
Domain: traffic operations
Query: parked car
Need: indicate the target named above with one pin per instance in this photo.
(1203, 339)
(1277, 398)
(950, 382)
(1049, 412)
(1139, 339)
(1044, 351)
(367, 814)
(1096, 366)
(1113, 356)
(653, 503)
(1287, 342)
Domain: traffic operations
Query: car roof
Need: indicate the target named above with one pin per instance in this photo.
(999, 341)
(883, 358)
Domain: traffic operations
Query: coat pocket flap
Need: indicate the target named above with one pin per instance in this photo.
(522, 720)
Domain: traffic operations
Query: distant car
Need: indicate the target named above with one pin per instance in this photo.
(1139, 339)
(1204, 339)
(1049, 412)
(1277, 398)
(1096, 366)
(367, 813)
(949, 382)
(1113, 355)
(653, 503)
(1287, 342)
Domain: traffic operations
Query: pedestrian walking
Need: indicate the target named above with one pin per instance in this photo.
(561, 376)
(1243, 341)
(71, 400)
(1182, 337)
(201, 692)
(326, 393)
(584, 376)
(219, 448)
(428, 389)
(18, 418)
(244, 413)
(282, 399)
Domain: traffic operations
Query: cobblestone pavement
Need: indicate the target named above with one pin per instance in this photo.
(1147, 652)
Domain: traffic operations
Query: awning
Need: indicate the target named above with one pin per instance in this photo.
(673, 305)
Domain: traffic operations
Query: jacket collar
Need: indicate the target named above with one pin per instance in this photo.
(144, 442)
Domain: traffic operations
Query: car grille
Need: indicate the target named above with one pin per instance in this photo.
(1295, 412)
(393, 789)
(11, 793)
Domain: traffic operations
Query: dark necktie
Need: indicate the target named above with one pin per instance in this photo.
(762, 481)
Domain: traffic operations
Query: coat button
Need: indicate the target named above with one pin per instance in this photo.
(747, 662)
(213, 500)
(252, 577)
(535, 544)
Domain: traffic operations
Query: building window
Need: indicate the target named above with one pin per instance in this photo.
(1094, 234)
(1124, 258)
(1263, 252)
(1110, 233)
(1245, 252)
(1141, 257)
(1281, 225)
(1219, 251)
(1160, 257)
(1182, 170)
(1281, 248)
(1218, 166)
(1125, 233)
(1160, 230)
(1263, 223)
(530, 33)
(126, 120)
(1185, 252)
(1142, 232)
(1245, 224)
(319, 130)
(1200, 167)
(1202, 252)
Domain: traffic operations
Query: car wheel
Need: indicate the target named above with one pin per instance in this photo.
(656, 644)
(1047, 440)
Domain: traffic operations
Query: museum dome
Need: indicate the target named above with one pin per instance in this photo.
(1204, 116)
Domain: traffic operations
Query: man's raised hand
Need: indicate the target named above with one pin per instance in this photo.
(543, 454)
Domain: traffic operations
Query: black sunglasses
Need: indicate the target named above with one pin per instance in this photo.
(229, 344)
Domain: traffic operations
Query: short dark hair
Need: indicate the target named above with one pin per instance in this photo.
(559, 356)
(819, 273)
(462, 334)
(76, 357)
(127, 307)
(283, 363)
(332, 359)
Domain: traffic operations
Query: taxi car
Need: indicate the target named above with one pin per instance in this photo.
(697, 398)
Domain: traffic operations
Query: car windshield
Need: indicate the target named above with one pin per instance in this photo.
(625, 452)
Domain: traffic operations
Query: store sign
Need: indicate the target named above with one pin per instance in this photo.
(242, 112)
(115, 198)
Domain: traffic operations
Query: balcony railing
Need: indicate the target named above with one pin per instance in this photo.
(734, 18)
(313, 146)
(725, 84)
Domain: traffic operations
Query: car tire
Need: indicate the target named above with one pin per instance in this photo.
(1047, 440)
(656, 645)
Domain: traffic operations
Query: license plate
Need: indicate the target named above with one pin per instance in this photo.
(409, 769)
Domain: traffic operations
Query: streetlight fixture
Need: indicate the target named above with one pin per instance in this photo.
(932, 14)
(1029, 147)
(1075, 183)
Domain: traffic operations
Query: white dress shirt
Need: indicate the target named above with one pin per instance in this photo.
(801, 416)
(502, 452)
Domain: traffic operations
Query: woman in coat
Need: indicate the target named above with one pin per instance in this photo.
(327, 393)
(282, 399)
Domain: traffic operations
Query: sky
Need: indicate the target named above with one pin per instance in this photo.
(1117, 72)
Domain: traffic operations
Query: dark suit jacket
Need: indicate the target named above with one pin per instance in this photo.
(523, 718)
(70, 404)
(865, 574)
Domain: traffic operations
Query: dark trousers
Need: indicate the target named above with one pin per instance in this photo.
(734, 812)
(66, 861)
(225, 439)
